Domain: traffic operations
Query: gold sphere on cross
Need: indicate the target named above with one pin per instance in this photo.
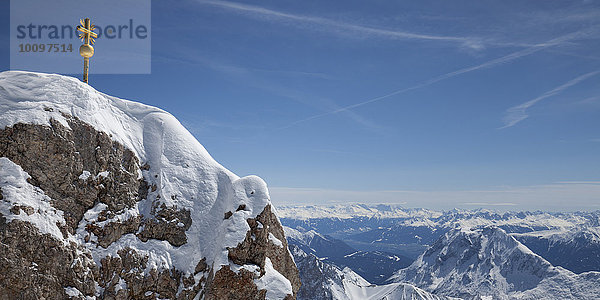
(86, 50)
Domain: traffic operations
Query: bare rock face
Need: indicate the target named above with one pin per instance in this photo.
(227, 284)
(56, 157)
(128, 266)
(169, 224)
(38, 266)
(81, 169)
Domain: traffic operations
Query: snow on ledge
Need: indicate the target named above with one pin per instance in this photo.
(277, 285)
(17, 191)
(275, 240)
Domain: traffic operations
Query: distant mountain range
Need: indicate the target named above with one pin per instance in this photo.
(468, 254)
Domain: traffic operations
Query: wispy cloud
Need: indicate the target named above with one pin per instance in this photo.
(518, 113)
(339, 27)
(590, 57)
(489, 64)
(589, 101)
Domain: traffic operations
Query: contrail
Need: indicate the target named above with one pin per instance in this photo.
(338, 26)
(517, 113)
(488, 64)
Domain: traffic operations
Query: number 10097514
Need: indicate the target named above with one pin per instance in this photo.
(46, 48)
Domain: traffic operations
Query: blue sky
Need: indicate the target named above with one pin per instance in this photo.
(439, 104)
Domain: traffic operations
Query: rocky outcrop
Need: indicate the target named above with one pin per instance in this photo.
(95, 181)
(168, 224)
(265, 239)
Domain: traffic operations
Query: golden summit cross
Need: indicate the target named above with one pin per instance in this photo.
(87, 35)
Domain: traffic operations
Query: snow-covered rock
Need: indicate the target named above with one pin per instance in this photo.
(123, 194)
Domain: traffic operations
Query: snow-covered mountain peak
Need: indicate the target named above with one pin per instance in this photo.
(482, 262)
(129, 177)
(178, 164)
